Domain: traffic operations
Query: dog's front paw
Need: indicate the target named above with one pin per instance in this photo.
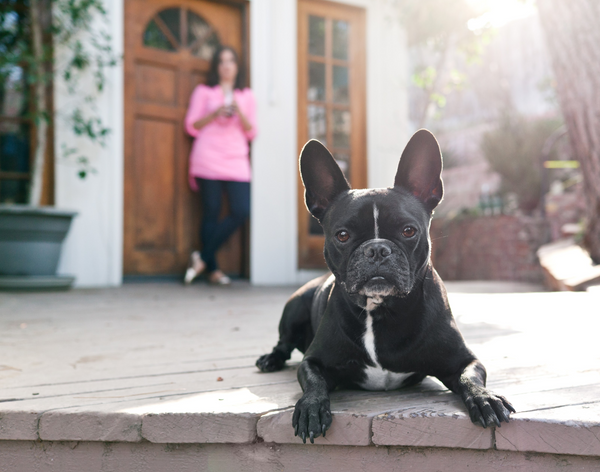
(312, 417)
(270, 362)
(487, 408)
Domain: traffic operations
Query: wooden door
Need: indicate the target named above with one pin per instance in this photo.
(331, 102)
(168, 47)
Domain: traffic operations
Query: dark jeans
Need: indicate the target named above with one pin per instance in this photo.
(213, 233)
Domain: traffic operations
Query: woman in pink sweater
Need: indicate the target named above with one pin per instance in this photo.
(222, 119)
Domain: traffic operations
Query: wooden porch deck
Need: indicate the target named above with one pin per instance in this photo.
(161, 377)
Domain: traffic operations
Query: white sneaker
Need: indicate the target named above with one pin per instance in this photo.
(195, 268)
(219, 278)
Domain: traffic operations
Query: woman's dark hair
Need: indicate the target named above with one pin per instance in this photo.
(212, 78)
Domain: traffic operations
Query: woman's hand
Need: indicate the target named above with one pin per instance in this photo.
(245, 123)
(202, 122)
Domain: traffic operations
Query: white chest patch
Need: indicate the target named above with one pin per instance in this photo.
(378, 378)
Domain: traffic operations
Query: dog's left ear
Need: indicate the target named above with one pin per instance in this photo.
(420, 169)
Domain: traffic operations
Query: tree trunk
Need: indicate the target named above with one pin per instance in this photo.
(573, 37)
(38, 70)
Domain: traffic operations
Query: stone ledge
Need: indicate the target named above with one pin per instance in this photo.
(437, 422)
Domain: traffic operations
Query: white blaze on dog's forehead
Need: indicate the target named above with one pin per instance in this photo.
(376, 218)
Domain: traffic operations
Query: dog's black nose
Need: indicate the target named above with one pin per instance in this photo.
(377, 250)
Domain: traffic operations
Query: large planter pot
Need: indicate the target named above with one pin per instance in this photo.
(30, 245)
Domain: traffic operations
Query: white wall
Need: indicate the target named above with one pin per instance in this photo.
(274, 233)
(93, 248)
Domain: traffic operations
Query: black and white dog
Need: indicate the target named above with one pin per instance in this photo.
(381, 320)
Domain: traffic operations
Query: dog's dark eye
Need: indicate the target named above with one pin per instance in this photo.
(343, 236)
(408, 232)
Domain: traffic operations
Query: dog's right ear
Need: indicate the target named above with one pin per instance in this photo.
(322, 178)
(420, 169)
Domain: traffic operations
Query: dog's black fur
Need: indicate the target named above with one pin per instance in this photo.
(384, 310)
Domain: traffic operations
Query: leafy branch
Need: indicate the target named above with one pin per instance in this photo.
(80, 28)
(32, 34)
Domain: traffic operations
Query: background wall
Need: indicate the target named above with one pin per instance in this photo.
(93, 248)
(489, 247)
(273, 233)
(273, 31)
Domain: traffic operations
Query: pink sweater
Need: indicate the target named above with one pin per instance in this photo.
(220, 149)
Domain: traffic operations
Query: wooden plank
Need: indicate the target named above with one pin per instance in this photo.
(18, 425)
(350, 429)
(437, 423)
(353, 413)
(569, 430)
(101, 426)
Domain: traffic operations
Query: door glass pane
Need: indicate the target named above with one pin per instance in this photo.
(341, 128)
(316, 35)
(317, 123)
(343, 160)
(14, 147)
(13, 190)
(12, 87)
(155, 38)
(202, 39)
(316, 81)
(171, 18)
(341, 30)
(340, 85)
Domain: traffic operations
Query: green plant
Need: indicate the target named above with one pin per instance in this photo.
(513, 150)
(51, 39)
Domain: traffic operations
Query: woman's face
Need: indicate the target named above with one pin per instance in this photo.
(227, 66)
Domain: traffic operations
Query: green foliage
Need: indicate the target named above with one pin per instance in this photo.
(425, 77)
(514, 150)
(78, 28)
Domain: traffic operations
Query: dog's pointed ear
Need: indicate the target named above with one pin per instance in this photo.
(322, 178)
(420, 169)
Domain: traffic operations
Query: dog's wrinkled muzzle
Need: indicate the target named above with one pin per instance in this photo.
(378, 268)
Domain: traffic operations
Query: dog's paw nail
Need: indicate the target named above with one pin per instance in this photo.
(296, 431)
(304, 437)
(312, 437)
(323, 430)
